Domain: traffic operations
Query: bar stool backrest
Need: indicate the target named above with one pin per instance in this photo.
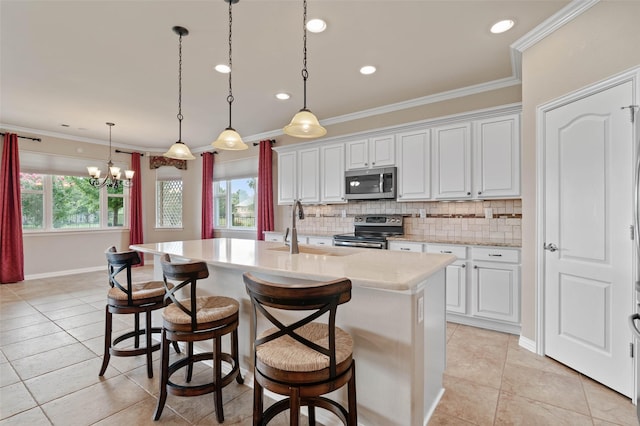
(188, 274)
(320, 297)
(116, 263)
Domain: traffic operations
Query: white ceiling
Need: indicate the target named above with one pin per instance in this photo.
(83, 63)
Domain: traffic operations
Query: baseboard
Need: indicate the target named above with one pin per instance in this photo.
(528, 344)
(63, 273)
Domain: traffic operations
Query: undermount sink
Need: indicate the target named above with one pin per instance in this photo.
(311, 250)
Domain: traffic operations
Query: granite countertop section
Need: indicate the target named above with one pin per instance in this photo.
(464, 241)
(383, 269)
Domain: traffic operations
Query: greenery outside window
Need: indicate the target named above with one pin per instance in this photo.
(235, 203)
(58, 202)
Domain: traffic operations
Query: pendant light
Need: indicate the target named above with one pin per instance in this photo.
(180, 150)
(229, 139)
(304, 124)
(112, 179)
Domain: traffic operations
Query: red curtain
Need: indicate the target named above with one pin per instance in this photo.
(207, 195)
(135, 212)
(265, 189)
(11, 249)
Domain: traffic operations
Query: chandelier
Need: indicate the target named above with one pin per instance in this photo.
(180, 150)
(229, 139)
(304, 124)
(112, 180)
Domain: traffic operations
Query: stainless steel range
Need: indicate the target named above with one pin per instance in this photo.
(371, 231)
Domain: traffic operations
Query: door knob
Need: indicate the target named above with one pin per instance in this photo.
(551, 247)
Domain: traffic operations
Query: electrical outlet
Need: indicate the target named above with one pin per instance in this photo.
(317, 213)
(420, 309)
(344, 213)
(423, 213)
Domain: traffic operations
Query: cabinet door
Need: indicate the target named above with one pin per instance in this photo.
(497, 157)
(456, 283)
(452, 161)
(357, 154)
(287, 177)
(382, 151)
(332, 174)
(309, 175)
(495, 291)
(414, 165)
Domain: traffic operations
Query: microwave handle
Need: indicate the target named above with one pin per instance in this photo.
(381, 183)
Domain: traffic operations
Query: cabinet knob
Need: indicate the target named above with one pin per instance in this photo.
(475, 266)
(366, 164)
(373, 163)
(464, 265)
(468, 193)
(479, 192)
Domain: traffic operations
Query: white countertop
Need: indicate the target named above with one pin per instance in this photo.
(384, 269)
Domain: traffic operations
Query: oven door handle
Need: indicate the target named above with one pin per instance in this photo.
(358, 244)
(632, 325)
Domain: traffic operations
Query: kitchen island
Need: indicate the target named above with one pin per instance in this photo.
(396, 315)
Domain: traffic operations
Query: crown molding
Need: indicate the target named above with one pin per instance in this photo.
(549, 26)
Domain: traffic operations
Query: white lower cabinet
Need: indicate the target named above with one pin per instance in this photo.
(273, 236)
(483, 286)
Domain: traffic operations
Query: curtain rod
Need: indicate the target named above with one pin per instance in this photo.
(272, 142)
(127, 152)
(25, 137)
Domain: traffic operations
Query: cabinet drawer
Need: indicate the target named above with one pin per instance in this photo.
(495, 254)
(458, 251)
(273, 236)
(320, 241)
(405, 246)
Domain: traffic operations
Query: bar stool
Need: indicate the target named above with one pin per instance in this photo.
(302, 360)
(191, 320)
(130, 298)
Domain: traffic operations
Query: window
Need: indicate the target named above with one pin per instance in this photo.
(235, 198)
(58, 202)
(169, 203)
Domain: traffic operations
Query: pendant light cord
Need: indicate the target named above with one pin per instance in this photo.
(180, 89)
(305, 73)
(230, 97)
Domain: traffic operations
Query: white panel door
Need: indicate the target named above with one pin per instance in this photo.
(588, 279)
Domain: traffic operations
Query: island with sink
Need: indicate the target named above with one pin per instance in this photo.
(396, 315)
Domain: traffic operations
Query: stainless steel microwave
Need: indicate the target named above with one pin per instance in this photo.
(370, 184)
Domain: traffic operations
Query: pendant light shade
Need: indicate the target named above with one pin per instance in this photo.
(229, 139)
(304, 124)
(179, 150)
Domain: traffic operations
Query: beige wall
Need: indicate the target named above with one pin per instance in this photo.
(603, 41)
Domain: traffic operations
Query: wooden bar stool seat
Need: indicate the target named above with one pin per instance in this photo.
(191, 320)
(300, 358)
(130, 298)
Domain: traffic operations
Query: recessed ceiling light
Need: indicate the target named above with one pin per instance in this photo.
(223, 68)
(283, 96)
(367, 69)
(316, 25)
(64, 125)
(502, 26)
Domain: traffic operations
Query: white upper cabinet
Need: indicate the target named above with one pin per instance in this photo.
(332, 174)
(299, 176)
(413, 153)
(497, 157)
(287, 169)
(452, 161)
(373, 152)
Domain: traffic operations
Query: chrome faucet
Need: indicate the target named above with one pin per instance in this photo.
(294, 232)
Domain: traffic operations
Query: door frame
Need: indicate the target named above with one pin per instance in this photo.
(633, 76)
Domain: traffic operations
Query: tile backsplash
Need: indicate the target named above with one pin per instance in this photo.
(498, 220)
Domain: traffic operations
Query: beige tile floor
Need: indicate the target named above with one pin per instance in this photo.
(51, 333)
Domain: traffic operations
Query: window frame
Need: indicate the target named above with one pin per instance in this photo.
(47, 211)
(228, 204)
